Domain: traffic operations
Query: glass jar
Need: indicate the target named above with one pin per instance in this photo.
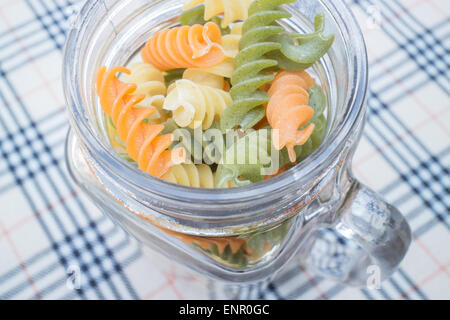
(316, 212)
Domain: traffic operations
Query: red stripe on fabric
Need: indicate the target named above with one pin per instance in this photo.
(39, 213)
(21, 263)
(437, 8)
(313, 283)
(46, 83)
(420, 284)
(430, 254)
(400, 137)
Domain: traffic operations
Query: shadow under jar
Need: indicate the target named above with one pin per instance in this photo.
(315, 212)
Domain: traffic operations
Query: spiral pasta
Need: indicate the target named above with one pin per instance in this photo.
(317, 101)
(250, 64)
(300, 51)
(193, 105)
(149, 81)
(142, 140)
(232, 10)
(206, 148)
(230, 44)
(205, 78)
(288, 110)
(194, 46)
(190, 175)
(247, 160)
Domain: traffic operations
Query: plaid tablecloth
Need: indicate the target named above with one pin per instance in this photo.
(50, 232)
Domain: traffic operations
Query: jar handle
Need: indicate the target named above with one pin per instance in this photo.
(364, 245)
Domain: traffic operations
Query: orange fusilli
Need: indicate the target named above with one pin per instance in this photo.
(194, 46)
(288, 110)
(143, 142)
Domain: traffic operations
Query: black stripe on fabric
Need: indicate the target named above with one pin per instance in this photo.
(273, 290)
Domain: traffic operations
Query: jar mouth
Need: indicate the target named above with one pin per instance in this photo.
(144, 186)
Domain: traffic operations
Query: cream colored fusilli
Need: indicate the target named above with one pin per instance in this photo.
(232, 10)
(193, 105)
(190, 175)
(149, 81)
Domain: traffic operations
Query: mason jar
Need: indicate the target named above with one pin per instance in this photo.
(317, 212)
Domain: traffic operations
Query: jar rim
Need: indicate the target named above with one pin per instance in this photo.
(147, 186)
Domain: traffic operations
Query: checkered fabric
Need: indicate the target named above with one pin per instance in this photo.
(51, 235)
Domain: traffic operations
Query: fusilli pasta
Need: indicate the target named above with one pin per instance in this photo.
(142, 140)
(190, 175)
(193, 105)
(288, 110)
(194, 46)
(317, 101)
(149, 81)
(229, 249)
(230, 44)
(244, 161)
(204, 78)
(232, 10)
(300, 51)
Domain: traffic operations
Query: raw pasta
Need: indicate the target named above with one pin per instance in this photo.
(232, 10)
(230, 44)
(149, 81)
(204, 78)
(142, 140)
(194, 105)
(288, 110)
(194, 46)
(300, 51)
(190, 175)
(243, 161)
(317, 101)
